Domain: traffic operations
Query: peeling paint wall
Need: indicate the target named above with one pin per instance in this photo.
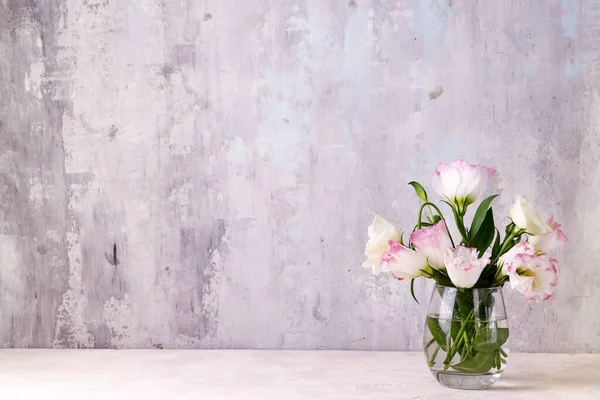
(200, 174)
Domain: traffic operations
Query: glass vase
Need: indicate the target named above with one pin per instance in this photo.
(466, 335)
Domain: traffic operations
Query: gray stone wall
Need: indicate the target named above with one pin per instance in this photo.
(200, 174)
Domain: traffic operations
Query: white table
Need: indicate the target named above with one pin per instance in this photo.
(281, 375)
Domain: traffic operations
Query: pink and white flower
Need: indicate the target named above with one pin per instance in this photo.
(551, 241)
(381, 232)
(403, 262)
(525, 216)
(463, 266)
(460, 182)
(432, 242)
(535, 276)
(520, 248)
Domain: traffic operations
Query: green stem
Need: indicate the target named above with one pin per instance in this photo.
(463, 230)
(430, 212)
(448, 230)
(464, 352)
(508, 242)
(455, 346)
(420, 215)
(460, 224)
(499, 279)
(429, 344)
(461, 337)
(431, 361)
(429, 205)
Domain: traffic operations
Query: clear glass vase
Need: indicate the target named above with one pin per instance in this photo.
(466, 335)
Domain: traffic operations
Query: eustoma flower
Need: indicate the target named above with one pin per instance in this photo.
(381, 233)
(526, 217)
(463, 266)
(551, 241)
(509, 256)
(432, 242)
(461, 183)
(403, 262)
(534, 275)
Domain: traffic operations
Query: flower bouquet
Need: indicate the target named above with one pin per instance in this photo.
(466, 327)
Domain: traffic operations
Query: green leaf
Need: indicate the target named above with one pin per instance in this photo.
(436, 331)
(484, 237)
(486, 278)
(441, 278)
(488, 274)
(450, 204)
(478, 363)
(496, 246)
(480, 215)
(436, 219)
(489, 340)
(412, 290)
(421, 193)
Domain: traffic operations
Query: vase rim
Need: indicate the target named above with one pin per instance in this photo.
(472, 288)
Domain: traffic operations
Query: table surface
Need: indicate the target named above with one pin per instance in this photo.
(281, 375)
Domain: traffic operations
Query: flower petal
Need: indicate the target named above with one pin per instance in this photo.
(432, 243)
(463, 266)
(460, 182)
(381, 232)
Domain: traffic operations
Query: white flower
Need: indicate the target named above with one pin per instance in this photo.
(460, 182)
(548, 242)
(380, 234)
(535, 276)
(463, 266)
(432, 242)
(403, 262)
(526, 217)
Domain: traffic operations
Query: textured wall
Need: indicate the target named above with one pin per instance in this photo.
(201, 173)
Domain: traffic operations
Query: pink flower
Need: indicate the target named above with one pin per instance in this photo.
(460, 182)
(403, 262)
(463, 266)
(551, 241)
(432, 242)
(509, 257)
(535, 276)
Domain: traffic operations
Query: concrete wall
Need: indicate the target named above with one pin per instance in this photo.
(200, 174)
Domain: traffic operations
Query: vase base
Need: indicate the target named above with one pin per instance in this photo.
(464, 381)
